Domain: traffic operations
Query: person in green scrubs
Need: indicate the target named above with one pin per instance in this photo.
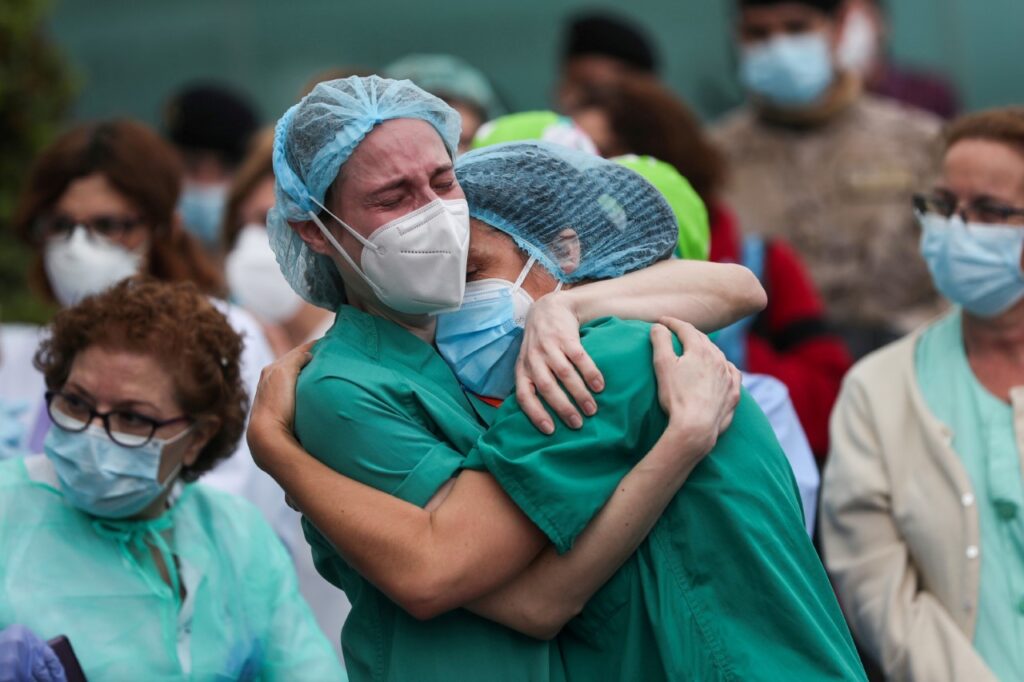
(727, 585)
(380, 405)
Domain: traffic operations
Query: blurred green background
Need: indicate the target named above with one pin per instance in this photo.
(132, 52)
(126, 56)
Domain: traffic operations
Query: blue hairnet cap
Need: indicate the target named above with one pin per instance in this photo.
(540, 194)
(312, 141)
(449, 77)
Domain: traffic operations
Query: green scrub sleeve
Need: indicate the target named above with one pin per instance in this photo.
(295, 647)
(562, 480)
(372, 439)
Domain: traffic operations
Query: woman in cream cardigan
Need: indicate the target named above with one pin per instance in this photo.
(922, 517)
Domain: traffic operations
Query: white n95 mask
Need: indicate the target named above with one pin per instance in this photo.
(83, 264)
(415, 264)
(255, 280)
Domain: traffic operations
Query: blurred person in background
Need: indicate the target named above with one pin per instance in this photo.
(600, 47)
(789, 339)
(107, 539)
(862, 50)
(816, 161)
(211, 125)
(20, 387)
(922, 519)
(98, 206)
(462, 86)
(253, 276)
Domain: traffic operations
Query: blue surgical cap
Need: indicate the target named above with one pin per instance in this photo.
(312, 141)
(449, 77)
(536, 191)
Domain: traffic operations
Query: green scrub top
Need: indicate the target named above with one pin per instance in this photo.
(726, 587)
(379, 405)
(63, 572)
(985, 440)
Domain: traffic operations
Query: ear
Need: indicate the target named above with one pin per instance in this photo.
(566, 248)
(310, 233)
(202, 432)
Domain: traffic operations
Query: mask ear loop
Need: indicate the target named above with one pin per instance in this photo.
(181, 463)
(522, 275)
(526, 271)
(360, 238)
(338, 247)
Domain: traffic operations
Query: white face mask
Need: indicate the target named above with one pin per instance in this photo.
(84, 264)
(255, 280)
(858, 46)
(415, 264)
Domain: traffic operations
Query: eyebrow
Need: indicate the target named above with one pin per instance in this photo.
(443, 168)
(398, 183)
(390, 187)
(120, 404)
(979, 197)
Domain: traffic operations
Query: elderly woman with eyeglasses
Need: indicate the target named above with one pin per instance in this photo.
(107, 539)
(98, 205)
(922, 517)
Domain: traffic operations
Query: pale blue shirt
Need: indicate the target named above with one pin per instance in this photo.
(985, 440)
(772, 396)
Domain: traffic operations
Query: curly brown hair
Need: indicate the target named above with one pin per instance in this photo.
(143, 167)
(178, 326)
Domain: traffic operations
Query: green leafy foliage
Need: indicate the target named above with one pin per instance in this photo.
(36, 90)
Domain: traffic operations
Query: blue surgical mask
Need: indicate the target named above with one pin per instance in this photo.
(975, 266)
(202, 210)
(105, 479)
(788, 71)
(481, 340)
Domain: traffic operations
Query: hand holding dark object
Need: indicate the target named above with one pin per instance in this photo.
(24, 657)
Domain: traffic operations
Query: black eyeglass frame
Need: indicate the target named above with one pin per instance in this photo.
(104, 418)
(929, 203)
(108, 226)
